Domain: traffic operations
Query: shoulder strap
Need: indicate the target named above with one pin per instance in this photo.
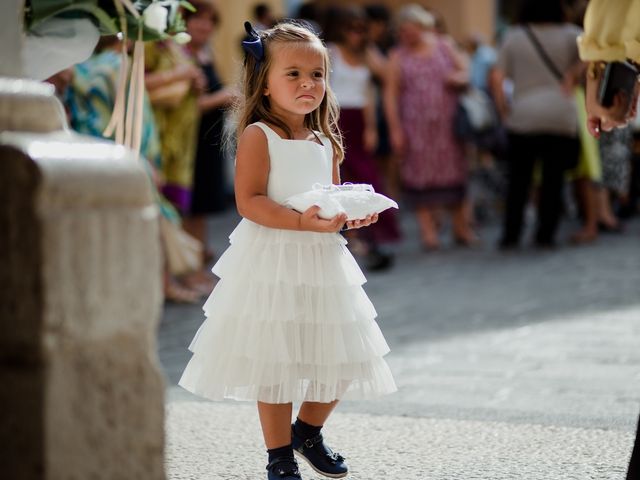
(267, 130)
(543, 54)
(315, 134)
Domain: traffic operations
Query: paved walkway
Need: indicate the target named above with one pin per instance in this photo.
(222, 442)
(521, 366)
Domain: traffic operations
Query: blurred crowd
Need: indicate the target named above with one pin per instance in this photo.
(462, 131)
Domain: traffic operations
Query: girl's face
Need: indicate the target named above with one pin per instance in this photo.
(295, 80)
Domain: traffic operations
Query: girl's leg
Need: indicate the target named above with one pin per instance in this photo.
(316, 413)
(275, 419)
(307, 439)
(428, 228)
(308, 442)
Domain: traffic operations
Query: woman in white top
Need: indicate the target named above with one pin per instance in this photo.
(352, 64)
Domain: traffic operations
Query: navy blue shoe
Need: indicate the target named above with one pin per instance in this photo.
(319, 457)
(283, 468)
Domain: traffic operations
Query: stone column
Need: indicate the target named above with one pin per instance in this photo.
(11, 37)
(80, 299)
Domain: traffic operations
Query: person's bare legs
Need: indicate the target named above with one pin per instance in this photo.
(461, 217)
(428, 228)
(275, 419)
(307, 428)
(587, 191)
(200, 280)
(176, 292)
(605, 213)
(196, 226)
(316, 413)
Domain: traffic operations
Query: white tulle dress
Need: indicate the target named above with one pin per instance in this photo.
(288, 321)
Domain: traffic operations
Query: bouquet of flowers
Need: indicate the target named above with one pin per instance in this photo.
(61, 33)
(145, 19)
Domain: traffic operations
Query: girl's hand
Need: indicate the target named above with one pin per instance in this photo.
(365, 222)
(310, 221)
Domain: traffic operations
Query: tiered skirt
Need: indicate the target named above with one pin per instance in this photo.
(288, 322)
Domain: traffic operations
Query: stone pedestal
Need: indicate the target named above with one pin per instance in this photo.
(80, 298)
(11, 37)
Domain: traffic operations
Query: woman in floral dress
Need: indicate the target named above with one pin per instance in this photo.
(425, 74)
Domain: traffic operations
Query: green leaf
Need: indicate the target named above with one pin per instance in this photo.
(106, 24)
(148, 34)
(186, 5)
(142, 4)
(86, 9)
(103, 14)
(40, 10)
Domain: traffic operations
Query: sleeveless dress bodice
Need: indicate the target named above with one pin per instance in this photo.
(295, 165)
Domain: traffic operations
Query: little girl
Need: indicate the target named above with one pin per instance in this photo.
(288, 321)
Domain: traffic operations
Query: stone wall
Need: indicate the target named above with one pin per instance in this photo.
(80, 299)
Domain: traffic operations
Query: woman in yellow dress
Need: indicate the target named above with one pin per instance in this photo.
(174, 83)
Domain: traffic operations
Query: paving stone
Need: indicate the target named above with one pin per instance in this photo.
(220, 441)
(510, 366)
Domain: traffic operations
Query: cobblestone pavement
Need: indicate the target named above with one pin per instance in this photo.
(522, 365)
(221, 442)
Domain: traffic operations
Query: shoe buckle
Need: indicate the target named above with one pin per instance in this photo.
(309, 443)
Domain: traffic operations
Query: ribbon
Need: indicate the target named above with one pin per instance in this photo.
(345, 187)
(253, 45)
(127, 121)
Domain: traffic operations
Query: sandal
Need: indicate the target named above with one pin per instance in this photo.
(429, 245)
(209, 256)
(176, 293)
(610, 227)
(467, 240)
(200, 282)
(583, 236)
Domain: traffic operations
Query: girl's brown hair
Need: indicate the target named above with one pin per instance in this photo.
(254, 105)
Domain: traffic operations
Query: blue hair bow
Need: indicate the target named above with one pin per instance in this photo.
(252, 45)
